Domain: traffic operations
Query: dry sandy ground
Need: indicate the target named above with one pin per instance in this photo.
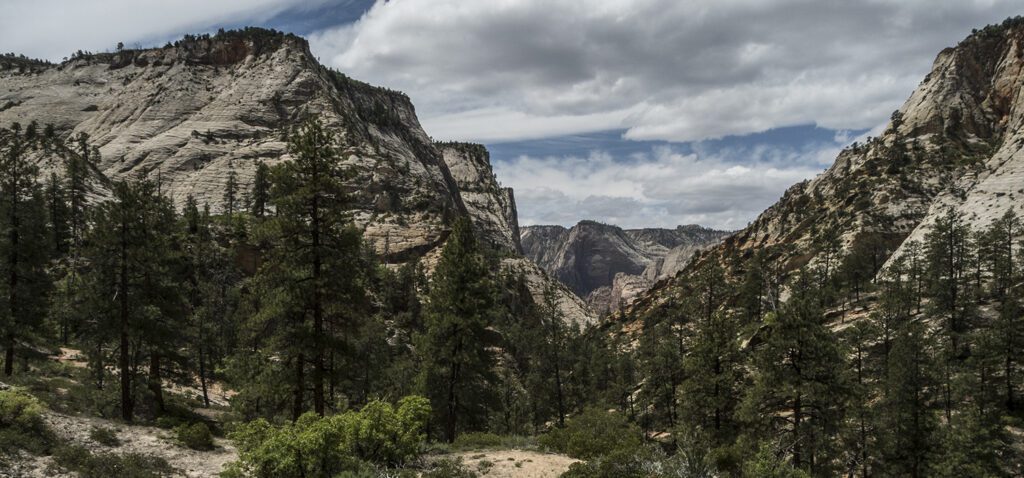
(516, 463)
(148, 441)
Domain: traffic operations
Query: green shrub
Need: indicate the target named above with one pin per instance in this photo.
(594, 433)
(104, 465)
(379, 434)
(21, 423)
(104, 436)
(448, 468)
(196, 436)
(767, 464)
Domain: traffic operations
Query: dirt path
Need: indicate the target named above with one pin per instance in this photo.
(516, 463)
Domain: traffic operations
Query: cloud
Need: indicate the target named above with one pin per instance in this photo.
(724, 188)
(679, 71)
(53, 29)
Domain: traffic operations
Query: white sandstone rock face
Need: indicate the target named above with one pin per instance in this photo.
(956, 142)
(491, 207)
(984, 109)
(188, 114)
(492, 210)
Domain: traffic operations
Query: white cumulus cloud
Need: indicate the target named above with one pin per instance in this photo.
(662, 69)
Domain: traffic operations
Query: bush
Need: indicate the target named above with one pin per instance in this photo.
(21, 423)
(381, 434)
(104, 436)
(449, 468)
(324, 447)
(196, 436)
(767, 464)
(105, 465)
(594, 433)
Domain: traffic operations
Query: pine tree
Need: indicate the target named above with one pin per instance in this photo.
(57, 208)
(907, 409)
(860, 434)
(948, 250)
(23, 241)
(1008, 327)
(950, 254)
(79, 160)
(799, 380)
(556, 331)
(659, 354)
(713, 370)
(458, 364)
(211, 279)
(311, 280)
(230, 201)
(131, 286)
(260, 195)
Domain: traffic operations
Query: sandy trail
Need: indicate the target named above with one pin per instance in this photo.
(516, 463)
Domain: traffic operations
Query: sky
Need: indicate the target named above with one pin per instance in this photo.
(641, 113)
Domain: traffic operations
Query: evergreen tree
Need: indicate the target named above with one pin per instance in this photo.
(555, 340)
(311, 284)
(79, 160)
(259, 197)
(950, 252)
(23, 240)
(659, 355)
(57, 208)
(211, 279)
(131, 285)
(230, 201)
(458, 364)
(1007, 337)
(799, 381)
(907, 408)
(860, 433)
(713, 370)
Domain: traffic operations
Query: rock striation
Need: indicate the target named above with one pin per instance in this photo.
(190, 113)
(958, 142)
(492, 207)
(198, 110)
(607, 265)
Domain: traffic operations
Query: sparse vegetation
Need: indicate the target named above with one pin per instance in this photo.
(21, 423)
(804, 346)
(105, 465)
(104, 436)
(196, 436)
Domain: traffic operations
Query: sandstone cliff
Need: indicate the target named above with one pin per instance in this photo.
(492, 207)
(191, 112)
(608, 266)
(955, 142)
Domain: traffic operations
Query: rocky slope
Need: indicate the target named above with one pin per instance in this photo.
(492, 210)
(607, 265)
(955, 142)
(191, 112)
